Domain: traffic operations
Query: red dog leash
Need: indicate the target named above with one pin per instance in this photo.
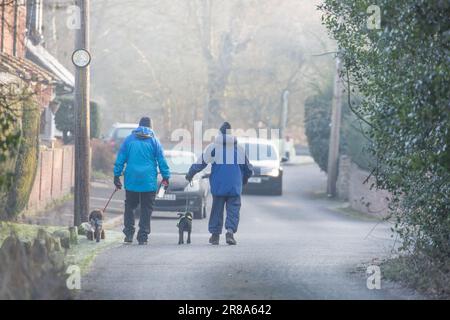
(112, 195)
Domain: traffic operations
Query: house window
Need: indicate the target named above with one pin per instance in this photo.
(34, 21)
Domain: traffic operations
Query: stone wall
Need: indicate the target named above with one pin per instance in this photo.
(33, 270)
(361, 193)
(54, 178)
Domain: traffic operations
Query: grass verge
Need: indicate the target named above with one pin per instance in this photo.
(85, 251)
(81, 254)
(26, 232)
(420, 273)
(352, 213)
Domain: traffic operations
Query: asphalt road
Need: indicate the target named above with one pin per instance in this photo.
(291, 247)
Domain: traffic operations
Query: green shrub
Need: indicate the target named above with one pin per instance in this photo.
(95, 120)
(355, 142)
(102, 157)
(402, 72)
(65, 119)
(317, 128)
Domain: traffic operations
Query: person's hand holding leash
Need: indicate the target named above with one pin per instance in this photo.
(188, 178)
(165, 182)
(117, 182)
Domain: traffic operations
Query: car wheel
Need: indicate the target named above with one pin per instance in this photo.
(204, 212)
(198, 214)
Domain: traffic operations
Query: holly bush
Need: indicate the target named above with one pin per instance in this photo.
(402, 71)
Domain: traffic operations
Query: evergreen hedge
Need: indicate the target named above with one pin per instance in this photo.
(402, 70)
(65, 119)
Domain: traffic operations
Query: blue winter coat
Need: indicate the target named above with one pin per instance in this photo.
(229, 166)
(142, 154)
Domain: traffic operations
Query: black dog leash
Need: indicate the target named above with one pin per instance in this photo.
(186, 207)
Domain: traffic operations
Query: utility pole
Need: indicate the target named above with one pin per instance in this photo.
(81, 59)
(333, 151)
(284, 112)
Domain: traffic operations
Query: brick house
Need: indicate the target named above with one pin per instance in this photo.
(24, 59)
(13, 51)
(23, 55)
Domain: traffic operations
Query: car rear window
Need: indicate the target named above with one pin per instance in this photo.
(179, 164)
(260, 151)
(122, 133)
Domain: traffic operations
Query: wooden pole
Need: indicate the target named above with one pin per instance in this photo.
(284, 112)
(82, 125)
(333, 151)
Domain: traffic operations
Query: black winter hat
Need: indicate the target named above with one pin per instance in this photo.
(145, 122)
(224, 127)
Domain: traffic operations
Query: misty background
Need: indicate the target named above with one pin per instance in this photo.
(209, 60)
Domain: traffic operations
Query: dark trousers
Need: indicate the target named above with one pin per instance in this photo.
(132, 200)
(233, 206)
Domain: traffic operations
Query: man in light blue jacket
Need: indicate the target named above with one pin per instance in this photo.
(141, 154)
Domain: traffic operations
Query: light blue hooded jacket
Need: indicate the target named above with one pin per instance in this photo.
(141, 154)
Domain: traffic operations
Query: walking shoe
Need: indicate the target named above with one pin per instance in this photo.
(230, 239)
(214, 240)
(128, 240)
(143, 243)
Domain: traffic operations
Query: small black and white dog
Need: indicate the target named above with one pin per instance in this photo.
(184, 225)
(96, 220)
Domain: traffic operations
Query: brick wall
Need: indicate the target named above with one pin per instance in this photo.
(360, 195)
(7, 25)
(13, 16)
(54, 178)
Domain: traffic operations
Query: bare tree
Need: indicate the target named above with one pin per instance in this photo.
(220, 49)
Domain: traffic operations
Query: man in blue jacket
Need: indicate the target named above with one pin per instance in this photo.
(141, 154)
(230, 169)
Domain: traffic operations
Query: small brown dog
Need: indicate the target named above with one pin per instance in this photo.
(96, 221)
